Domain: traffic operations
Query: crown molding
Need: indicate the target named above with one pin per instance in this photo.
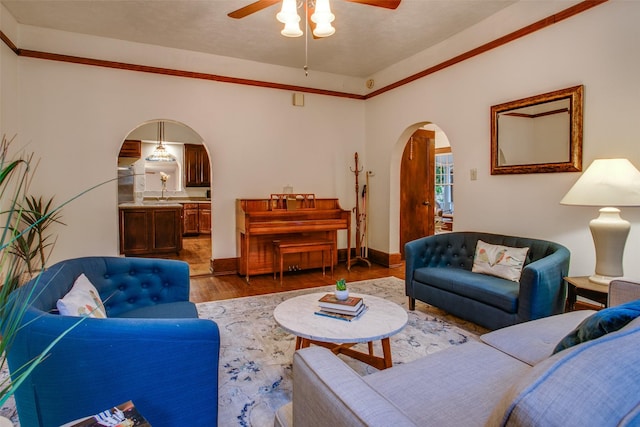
(529, 29)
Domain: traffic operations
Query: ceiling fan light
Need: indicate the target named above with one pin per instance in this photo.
(291, 29)
(289, 12)
(323, 29)
(322, 13)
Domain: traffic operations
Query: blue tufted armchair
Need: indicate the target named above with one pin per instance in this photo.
(152, 349)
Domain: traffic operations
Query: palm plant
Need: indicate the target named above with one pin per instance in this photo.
(14, 174)
(32, 242)
(24, 247)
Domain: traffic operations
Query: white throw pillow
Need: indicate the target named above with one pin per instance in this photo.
(499, 261)
(82, 300)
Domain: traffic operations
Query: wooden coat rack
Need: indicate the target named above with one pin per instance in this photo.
(361, 218)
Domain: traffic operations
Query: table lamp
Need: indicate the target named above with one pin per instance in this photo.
(607, 183)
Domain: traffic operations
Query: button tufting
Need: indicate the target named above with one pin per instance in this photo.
(122, 287)
(131, 300)
(132, 273)
(144, 285)
(106, 276)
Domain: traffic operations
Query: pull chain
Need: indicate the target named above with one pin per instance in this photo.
(306, 38)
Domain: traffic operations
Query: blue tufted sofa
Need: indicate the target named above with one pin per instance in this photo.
(438, 272)
(152, 349)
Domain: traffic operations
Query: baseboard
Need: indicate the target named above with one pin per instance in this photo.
(224, 266)
(385, 259)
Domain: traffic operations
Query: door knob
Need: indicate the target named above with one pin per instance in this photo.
(426, 203)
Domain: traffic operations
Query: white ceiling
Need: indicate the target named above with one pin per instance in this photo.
(367, 39)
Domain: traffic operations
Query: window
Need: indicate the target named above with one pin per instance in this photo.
(444, 182)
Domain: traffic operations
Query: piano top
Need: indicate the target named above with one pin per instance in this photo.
(255, 215)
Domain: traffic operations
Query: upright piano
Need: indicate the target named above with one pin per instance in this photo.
(286, 216)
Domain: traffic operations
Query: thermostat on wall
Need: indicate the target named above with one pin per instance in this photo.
(298, 99)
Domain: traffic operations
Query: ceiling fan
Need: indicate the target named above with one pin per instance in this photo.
(262, 4)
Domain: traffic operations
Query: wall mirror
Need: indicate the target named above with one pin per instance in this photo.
(542, 133)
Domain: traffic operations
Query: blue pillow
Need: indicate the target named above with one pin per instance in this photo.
(601, 323)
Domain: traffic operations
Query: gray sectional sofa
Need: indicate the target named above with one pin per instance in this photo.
(438, 272)
(509, 377)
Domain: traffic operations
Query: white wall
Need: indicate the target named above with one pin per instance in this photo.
(9, 100)
(597, 49)
(77, 117)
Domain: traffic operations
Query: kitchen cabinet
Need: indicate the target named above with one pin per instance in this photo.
(131, 148)
(196, 218)
(147, 230)
(204, 218)
(190, 218)
(196, 166)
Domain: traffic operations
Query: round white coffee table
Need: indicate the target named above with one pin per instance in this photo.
(381, 320)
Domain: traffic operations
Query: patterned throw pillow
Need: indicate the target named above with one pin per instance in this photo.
(82, 300)
(499, 261)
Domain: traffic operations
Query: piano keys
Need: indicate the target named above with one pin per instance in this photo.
(261, 221)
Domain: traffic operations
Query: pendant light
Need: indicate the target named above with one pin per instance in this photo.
(289, 17)
(323, 18)
(160, 153)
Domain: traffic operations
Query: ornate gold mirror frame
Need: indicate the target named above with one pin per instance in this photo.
(542, 133)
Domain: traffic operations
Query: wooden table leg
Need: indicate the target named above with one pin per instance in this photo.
(386, 352)
(331, 258)
(281, 265)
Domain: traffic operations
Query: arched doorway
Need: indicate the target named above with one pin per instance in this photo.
(425, 185)
(152, 184)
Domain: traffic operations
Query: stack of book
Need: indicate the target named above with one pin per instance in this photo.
(123, 415)
(350, 309)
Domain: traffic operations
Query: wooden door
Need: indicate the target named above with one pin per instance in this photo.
(417, 198)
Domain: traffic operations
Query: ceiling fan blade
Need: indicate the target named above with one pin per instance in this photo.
(387, 4)
(252, 8)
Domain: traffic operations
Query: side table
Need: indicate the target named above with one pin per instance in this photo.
(581, 286)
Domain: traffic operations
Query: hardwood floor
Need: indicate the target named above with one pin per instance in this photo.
(206, 287)
(212, 288)
(196, 250)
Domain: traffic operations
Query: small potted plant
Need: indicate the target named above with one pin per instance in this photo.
(342, 293)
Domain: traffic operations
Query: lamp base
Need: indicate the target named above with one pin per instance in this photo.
(601, 280)
(609, 233)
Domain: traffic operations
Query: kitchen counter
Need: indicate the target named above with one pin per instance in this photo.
(175, 203)
(150, 204)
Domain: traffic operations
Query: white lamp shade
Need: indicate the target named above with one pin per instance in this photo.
(323, 18)
(322, 12)
(324, 29)
(291, 29)
(289, 12)
(606, 182)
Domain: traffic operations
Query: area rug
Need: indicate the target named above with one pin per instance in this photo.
(256, 354)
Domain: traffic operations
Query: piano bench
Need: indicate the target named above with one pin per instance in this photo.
(283, 247)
